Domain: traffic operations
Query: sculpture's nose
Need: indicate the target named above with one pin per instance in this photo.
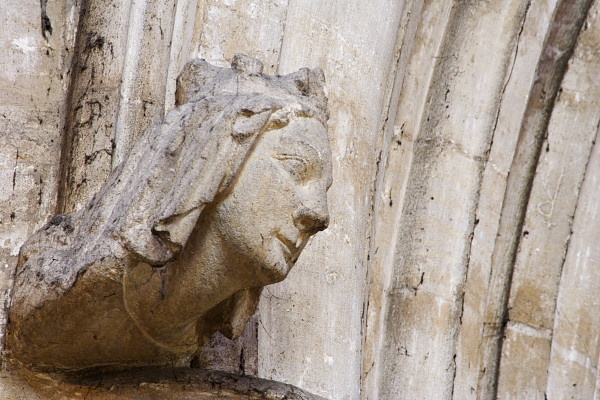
(311, 219)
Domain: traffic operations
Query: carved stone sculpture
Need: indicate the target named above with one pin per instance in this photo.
(210, 206)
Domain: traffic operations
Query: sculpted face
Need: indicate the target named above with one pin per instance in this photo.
(163, 255)
(278, 201)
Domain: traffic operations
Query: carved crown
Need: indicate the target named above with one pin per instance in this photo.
(304, 88)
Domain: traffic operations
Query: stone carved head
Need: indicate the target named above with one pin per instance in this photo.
(210, 206)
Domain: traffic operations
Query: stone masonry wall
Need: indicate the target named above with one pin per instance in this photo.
(461, 258)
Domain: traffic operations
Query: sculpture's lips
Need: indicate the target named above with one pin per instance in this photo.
(290, 249)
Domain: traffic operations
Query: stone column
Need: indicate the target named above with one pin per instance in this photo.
(36, 43)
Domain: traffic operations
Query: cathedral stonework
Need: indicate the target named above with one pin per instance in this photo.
(210, 206)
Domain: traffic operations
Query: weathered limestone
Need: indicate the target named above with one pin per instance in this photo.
(493, 187)
(149, 383)
(209, 206)
(446, 156)
(457, 264)
(575, 351)
(92, 101)
(322, 303)
(548, 226)
(35, 48)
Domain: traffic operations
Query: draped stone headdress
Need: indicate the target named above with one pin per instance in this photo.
(196, 156)
(150, 204)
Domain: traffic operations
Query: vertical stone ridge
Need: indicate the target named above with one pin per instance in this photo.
(559, 44)
(508, 75)
(135, 33)
(67, 136)
(387, 383)
(181, 43)
(434, 280)
(407, 30)
(92, 101)
(485, 159)
(146, 68)
(558, 373)
(117, 90)
(391, 194)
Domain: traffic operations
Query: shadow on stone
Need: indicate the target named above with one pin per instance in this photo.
(146, 384)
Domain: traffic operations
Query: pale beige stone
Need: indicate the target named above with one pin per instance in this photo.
(548, 226)
(312, 324)
(427, 99)
(210, 206)
(493, 187)
(450, 134)
(34, 76)
(573, 360)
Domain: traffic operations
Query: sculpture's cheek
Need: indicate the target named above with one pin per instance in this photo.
(270, 213)
(255, 220)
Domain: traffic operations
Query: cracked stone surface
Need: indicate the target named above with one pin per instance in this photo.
(460, 258)
(211, 205)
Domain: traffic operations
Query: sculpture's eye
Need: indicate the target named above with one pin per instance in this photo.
(295, 165)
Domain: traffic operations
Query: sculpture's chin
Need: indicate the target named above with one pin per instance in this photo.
(279, 263)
